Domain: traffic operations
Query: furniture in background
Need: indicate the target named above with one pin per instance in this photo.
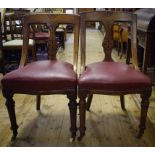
(109, 77)
(44, 77)
(116, 36)
(146, 37)
(124, 34)
(12, 41)
(40, 31)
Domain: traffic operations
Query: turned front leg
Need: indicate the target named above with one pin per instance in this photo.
(82, 110)
(73, 113)
(144, 110)
(10, 104)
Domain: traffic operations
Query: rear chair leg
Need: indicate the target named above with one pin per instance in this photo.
(38, 99)
(73, 113)
(82, 109)
(10, 104)
(34, 54)
(122, 102)
(144, 109)
(89, 100)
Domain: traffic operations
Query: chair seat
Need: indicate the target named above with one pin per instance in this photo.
(41, 35)
(113, 76)
(41, 76)
(17, 42)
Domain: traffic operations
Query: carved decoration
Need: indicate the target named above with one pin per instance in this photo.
(108, 41)
(52, 50)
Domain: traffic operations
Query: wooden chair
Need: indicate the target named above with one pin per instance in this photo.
(13, 41)
(47, 76)
(109, 77)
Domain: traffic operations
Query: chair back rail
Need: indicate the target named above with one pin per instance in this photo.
(51, 21)
(108, 18)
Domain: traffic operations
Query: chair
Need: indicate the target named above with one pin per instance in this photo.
(109, 77)
(116, 36)
(44, 77)
(13, 41)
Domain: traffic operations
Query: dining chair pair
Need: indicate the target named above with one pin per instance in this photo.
(59, 77)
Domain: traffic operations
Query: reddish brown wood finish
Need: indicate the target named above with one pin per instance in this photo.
(108, 18)
(52, 21)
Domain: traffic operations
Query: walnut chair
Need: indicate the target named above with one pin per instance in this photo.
(47, 76)
(109, 77)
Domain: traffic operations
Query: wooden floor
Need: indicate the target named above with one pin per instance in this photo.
(107, 124)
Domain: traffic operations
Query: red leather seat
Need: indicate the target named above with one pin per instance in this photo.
(41, 35)
(112, 76)
(41, 76)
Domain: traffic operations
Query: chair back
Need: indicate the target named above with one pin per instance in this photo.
(108, 19)
(52, 21)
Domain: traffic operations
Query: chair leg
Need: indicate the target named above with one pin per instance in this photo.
(38, 99)
(10, 104)
(89, 100)
(128, 53)
(144, 109)
(121, 50)
(118, 47)
(82, 109)
(122, 102)
(73, 113)
(34, 53)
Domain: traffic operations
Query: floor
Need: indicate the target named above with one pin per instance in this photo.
(107, 124)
